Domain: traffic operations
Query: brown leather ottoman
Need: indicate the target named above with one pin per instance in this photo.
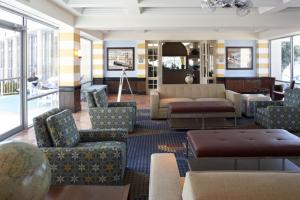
(243, 143)
(200, 107)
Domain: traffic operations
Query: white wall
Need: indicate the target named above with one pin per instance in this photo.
(242, 73)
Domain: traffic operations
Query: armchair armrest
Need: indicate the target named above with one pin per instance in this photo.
(264, 104)
(122, 104)
(275, 110)
(154, 104)
(235, 98)
(94, 135)
(112, 117)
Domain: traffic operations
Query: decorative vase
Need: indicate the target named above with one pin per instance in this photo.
(189, 79)
(24, 172)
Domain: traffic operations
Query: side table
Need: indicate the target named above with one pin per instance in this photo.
(247, 102)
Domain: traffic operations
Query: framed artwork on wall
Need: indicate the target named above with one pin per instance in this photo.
(239, 58)
(119, 57)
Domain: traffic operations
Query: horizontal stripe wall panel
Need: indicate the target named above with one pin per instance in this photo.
(220, 60)
(69, 45)
(141, 59)
(98, 70)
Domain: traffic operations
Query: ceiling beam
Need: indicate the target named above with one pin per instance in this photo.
(132, 6)
(94, 3)
(64, 5)
(199, 3)
(279, 7)
(150, 22)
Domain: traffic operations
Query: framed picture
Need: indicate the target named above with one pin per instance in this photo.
(239, 58)
(117, 58)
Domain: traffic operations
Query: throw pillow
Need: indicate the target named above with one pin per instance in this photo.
(63, 130)
(100, 98)
(90, 99)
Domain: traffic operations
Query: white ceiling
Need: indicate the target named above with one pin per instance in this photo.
(156, 16)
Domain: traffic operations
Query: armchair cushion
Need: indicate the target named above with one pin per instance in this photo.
(100, 98)
(122, 104)
(63, 130)
(90, 99)
(95, 135)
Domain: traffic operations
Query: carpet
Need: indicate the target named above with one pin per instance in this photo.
(154, 136)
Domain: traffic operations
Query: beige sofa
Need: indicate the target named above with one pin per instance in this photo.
(166, 184)
(165, 94)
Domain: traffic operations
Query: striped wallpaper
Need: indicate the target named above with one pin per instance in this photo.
(262, 57)
(69, 61)
(220, 60)
(141, 59)
(98, 71)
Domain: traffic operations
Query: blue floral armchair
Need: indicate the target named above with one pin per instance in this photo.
(106, 114)
(280, 114)
(98, 159)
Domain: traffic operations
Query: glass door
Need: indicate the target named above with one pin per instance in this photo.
(10, 82)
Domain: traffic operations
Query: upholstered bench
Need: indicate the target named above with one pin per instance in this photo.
(243, 143)
(199, 109)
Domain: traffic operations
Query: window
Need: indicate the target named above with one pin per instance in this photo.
(85, 61)
(296, 65)
(11, 17)
(152, 59)
(281, 59)
(42, 68)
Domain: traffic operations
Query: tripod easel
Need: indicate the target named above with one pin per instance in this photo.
(121, 84)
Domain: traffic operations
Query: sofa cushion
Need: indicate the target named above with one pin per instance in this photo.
(100, 98)
(292, 98)
(164, 103)
(90, 99)
(241, 185)
(192, 91)
(63, 130)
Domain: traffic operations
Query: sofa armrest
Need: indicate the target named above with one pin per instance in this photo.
(154, 104)
(235, 98)
(98, 135)
(164, 178)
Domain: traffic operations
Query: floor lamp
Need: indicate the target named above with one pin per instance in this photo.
(121, 84)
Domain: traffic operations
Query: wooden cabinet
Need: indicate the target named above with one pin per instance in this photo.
(248, 84)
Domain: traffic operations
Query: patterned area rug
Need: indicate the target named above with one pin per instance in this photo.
(154, 136)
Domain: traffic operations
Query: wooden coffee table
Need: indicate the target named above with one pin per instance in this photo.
(178, 111)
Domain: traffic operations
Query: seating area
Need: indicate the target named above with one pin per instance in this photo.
(150, 100)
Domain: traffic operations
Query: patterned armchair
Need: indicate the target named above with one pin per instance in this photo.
(280, 114)
(106, 114)
(99, 157)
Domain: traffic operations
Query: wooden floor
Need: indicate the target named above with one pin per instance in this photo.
(82, 118)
